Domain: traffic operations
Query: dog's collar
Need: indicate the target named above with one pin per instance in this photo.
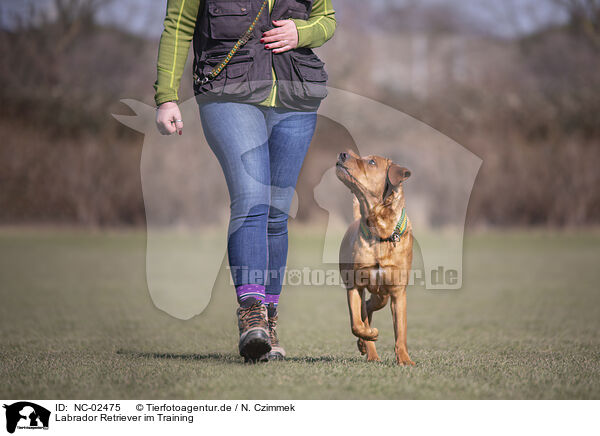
(399, 230)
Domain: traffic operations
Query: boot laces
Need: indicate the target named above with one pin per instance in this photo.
(272, 330)
(253, 316)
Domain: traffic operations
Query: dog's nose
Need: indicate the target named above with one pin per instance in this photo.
(342, 157)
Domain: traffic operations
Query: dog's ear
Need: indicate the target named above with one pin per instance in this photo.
(397, 174)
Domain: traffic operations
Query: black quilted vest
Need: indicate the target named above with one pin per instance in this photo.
(301, 77)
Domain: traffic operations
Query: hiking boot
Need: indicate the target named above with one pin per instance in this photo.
(254, 332)
(277, 352)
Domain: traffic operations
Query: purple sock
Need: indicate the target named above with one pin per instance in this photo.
(248, 294)
(272, 299)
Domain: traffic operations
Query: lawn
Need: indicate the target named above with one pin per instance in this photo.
(77, 322)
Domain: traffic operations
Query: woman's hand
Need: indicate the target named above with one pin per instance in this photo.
(168, 118)
(283, 38)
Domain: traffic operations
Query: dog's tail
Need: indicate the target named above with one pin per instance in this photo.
(355, 208)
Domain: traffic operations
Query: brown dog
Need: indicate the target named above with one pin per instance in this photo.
(376, 252)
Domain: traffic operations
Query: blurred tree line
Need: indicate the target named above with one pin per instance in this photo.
(532, 115)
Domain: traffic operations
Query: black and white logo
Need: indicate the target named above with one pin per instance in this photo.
(26, 415)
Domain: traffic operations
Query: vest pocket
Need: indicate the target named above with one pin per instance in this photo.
(238, 83)
(209, 61)
(313, 77)
(228, 20)
(215, 86)
(233, 81)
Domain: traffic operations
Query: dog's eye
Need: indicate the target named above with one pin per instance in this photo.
(372, 162)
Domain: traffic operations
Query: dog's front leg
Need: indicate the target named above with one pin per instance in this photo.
(370, 348)
(359, 328)
(375, 303)
(398, 306)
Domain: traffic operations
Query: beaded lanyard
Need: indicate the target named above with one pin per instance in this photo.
(239, 44)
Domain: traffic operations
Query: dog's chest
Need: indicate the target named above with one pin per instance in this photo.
(378, 279)
(377, 282)
(382, 266)
(374, 253)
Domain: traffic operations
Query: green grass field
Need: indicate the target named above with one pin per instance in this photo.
(77, 322)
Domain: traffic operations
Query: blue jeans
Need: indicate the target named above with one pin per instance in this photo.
(261, 150)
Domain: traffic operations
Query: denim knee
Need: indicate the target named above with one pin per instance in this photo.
(277, 222)
(252, 201)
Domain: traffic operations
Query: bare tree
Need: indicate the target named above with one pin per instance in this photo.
(584, 18)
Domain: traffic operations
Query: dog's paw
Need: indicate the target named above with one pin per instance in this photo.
(360, 343)
(367, 334)
(373, 335)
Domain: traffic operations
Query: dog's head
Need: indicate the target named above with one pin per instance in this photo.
(374, 178)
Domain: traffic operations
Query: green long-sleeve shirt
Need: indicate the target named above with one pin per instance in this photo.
(179, 25)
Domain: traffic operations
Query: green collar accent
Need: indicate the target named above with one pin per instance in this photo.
(399, 230)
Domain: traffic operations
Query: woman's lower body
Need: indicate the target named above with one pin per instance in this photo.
(261, 150)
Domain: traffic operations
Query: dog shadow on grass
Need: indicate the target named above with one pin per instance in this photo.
(232, 358)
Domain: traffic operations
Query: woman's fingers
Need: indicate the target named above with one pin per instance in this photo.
(168, 128)
(178, 123)
(282, 49)
(165, 127)
(163, 121)
(281, 46)
(177, 120)
(282, 38)
(168, 119)
(278, 44)
(272, 35)
(279, 23)
(273, 32)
